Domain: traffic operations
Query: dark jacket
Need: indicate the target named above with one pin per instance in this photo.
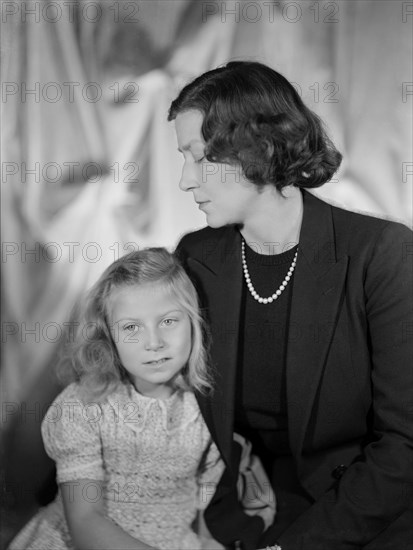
(349, 377)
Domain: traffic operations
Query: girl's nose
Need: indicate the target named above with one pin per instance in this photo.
(189, 179)
(153, 341)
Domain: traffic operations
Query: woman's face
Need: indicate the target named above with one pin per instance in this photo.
(219, 189)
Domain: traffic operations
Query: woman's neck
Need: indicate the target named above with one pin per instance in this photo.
(274, 222)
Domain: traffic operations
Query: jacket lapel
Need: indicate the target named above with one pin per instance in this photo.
(221, 276)
(317, 295)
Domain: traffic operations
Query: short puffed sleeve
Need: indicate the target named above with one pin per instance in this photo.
(71, 436)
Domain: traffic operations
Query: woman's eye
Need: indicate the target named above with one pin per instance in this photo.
(169, 322)
(199, 160)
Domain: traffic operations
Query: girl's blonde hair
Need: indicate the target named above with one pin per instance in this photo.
(92, 356)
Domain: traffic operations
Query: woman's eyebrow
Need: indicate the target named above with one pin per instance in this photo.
(189, 145)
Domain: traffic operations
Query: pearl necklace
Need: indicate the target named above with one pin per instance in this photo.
(250, 286)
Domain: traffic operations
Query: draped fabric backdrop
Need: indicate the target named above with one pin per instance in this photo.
(90, 168)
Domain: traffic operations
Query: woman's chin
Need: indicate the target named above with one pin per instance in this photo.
(215, 222)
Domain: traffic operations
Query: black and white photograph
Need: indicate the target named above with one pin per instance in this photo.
(206, 260)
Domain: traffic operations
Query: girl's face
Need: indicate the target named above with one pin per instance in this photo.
(152, 334)
(220, 190)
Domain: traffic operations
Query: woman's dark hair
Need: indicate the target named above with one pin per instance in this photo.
(253, 116)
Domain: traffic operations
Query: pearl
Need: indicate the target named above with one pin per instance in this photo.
(250, 286)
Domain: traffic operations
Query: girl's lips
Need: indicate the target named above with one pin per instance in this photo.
(157, 361)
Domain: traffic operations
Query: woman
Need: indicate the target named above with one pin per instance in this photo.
(310, 314)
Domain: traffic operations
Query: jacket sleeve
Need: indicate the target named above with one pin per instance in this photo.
(375, 491)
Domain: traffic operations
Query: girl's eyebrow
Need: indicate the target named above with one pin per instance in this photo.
(159, 317)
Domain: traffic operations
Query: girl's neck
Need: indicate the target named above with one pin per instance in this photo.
(161, 392)
(274, 223)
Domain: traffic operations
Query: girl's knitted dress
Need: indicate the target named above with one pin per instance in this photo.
(150, 455)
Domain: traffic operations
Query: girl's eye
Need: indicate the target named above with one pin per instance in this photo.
(198, 161)
(132, 327)
(168, 322)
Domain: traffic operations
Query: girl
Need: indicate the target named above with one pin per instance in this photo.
(130, 444)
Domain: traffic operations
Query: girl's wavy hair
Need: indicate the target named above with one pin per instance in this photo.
(254, 117)
(91, 356)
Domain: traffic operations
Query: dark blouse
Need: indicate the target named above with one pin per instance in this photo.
(260, 401)
(261, 397)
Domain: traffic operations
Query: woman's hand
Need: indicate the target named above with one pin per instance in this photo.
(89, 528)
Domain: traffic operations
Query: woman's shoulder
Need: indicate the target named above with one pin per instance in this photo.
(358, 228)
(362, 219)
(202, 241)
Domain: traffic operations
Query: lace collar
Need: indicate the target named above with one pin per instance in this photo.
(134, 409)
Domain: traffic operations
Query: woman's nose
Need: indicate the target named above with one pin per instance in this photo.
(188, 179)
(153, 340)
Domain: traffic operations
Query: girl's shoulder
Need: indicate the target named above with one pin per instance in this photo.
(68, 408)
(189, 400)
(72, 391)
(190, 409)
(79, 392)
